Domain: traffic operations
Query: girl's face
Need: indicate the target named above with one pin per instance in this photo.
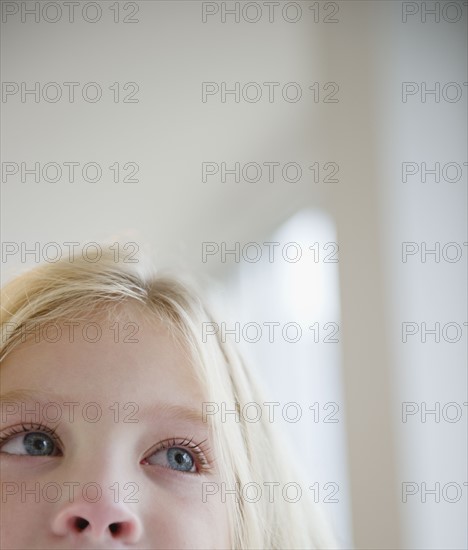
(103, 443)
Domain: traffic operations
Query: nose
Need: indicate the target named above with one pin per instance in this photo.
(97, 521)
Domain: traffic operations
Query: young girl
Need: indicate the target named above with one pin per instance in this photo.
(120, 424)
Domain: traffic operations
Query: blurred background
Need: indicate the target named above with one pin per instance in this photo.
(306, 161)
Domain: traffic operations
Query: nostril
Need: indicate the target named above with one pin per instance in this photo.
(81, 524)
(115, 528)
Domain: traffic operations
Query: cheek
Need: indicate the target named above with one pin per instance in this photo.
(23, 510)
(22, 522)
(184, 521)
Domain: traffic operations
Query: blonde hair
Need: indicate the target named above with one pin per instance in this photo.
(247, 452)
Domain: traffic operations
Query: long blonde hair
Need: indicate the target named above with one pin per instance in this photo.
(247, 452)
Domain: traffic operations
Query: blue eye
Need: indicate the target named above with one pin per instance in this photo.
(30, 444)
(38, 444)
(175, 458)
(180, 459)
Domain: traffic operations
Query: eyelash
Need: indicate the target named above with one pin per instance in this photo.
(27, 428)
(200, 450)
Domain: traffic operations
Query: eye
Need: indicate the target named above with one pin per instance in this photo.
(29, 442)
(175, 458)
(174, 455)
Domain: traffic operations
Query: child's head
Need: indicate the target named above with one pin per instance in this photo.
(110, 432)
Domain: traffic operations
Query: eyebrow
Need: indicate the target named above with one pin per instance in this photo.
(19, 395)
(169, 410)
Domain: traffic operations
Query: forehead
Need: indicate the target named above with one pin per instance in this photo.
(127, 358)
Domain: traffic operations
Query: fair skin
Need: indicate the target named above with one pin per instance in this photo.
(156, 496)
